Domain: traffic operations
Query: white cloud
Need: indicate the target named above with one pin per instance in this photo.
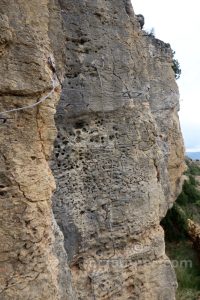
(197, 149)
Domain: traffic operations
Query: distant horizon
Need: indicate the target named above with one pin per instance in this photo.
(192, 150)
(193, 155)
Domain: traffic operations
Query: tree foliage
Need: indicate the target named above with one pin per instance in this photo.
(176, 67)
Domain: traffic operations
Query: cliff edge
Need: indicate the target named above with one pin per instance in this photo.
(117, 160)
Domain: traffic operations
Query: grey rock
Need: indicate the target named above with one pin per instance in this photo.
(117, 159)
(141, 20)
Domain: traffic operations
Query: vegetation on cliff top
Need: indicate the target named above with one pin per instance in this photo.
(176, 67)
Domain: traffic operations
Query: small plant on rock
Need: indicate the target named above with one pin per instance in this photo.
(176, 67)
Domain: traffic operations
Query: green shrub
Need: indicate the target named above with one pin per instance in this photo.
(175, 224)
(192, 180)
(193, 168)
(198, 203)
(179, 247)
(182, 199)
(176, 67)
(189, 192)
(189, 188)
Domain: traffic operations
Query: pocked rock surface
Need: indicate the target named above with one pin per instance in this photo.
(117, 160)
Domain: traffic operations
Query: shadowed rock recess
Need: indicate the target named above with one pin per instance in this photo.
(117, 161)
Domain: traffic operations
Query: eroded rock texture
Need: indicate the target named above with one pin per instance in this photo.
(118, 155)
(28, 264)
(117, 161)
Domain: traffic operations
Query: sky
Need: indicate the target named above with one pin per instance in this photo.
(178, 22)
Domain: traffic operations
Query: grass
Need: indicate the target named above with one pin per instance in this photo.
(189, 199)
(187, 294)
(187, 267)
(179, 248)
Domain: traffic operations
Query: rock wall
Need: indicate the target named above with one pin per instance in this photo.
(28, 264)
(194, 234)
(117, 159)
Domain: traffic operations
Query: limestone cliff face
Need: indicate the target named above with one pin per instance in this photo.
(28, 265)
(117, 159)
